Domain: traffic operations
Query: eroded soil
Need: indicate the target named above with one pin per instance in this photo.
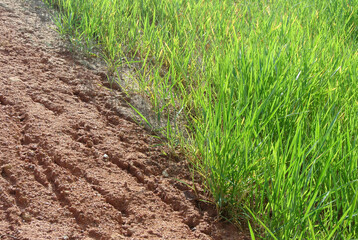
(73, 165)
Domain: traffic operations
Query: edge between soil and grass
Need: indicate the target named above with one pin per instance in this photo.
(260, 97)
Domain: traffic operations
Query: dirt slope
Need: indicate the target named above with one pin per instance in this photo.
(72, 164)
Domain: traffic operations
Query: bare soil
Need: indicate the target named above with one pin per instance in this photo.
(73, 165)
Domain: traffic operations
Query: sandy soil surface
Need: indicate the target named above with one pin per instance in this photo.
(73, 165)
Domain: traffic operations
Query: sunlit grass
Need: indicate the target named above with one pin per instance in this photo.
(269, 89)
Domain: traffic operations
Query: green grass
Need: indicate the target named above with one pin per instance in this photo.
(270, 92)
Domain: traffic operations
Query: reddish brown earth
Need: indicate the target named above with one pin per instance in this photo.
(73, 165)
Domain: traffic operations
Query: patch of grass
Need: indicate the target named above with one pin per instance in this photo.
(269, 89)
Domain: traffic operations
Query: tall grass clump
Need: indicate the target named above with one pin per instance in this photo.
(270, 91)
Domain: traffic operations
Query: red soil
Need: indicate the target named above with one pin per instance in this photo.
(73, 165)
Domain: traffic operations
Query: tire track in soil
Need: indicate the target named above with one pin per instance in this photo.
(72, 164)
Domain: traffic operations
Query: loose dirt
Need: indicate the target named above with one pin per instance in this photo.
(73, 164)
